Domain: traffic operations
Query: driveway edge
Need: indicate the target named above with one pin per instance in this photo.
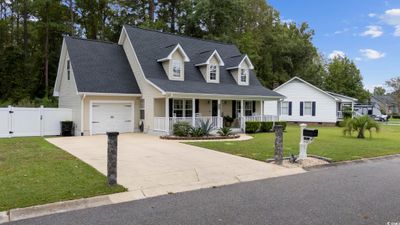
(350, 162)
(66, 206)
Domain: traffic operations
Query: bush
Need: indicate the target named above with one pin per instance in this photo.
(283, 123)
(266, 126)
(196, 132)
(252, 127)
(181, 129)
(206, 127)
(225, 131)
(361, 124)
(395, 115)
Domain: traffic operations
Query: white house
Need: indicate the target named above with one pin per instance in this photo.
(305, 102)
(149, 80)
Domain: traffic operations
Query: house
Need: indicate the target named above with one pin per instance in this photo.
(386, 104)
(305, 102)
(149, 80)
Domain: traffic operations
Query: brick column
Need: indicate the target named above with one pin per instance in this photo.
(112, 157)
(278, 144)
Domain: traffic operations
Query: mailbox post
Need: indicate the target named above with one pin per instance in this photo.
(306, 137)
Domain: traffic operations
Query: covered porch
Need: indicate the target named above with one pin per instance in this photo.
(220, 112)
(343, 107)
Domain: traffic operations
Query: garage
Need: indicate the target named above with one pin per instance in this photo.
(111, 116)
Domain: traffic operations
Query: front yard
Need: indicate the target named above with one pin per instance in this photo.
(331, 143)
(33, 171)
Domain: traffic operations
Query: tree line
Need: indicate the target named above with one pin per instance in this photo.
(31, 33)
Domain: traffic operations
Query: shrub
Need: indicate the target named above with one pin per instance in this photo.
(196, 132)
(395, 115)
(283, 123)
(206, 127)
(252, 127)
(360, 124)
(225, 131)
(181, 129)
(228, 121)
(266, 126)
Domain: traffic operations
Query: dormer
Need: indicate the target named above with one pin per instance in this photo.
(209, 63)
(240, 67)
(174, 62)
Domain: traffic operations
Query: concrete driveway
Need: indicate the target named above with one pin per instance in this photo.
(150, 166)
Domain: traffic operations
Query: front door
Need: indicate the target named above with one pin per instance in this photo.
(214, 108)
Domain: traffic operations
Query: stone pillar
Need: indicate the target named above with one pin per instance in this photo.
(112, 157)
(279, 144)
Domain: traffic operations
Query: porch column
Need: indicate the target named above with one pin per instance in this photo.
(262, 107)
(167, 115)
(278, 110)
(352, 109)
(193, 112)
(219, 114)
(242, 122)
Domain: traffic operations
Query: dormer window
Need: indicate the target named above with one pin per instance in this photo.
(173, 62)
(244, 74)
(68, 70)
(209, 63)
(240, 67)
(213, 72)
(176, 68)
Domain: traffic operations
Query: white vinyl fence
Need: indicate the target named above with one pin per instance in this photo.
(22, 122)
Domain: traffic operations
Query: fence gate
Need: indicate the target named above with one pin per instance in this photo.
(22, 122)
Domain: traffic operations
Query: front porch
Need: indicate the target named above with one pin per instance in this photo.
(219, 112)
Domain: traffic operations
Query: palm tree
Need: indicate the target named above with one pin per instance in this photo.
(361, 124)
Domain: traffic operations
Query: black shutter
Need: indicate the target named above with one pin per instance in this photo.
(313, 108)
(196, 105)
(290, 108)
(234, 109)
(170, 107)
(254, 106)
(301, 108)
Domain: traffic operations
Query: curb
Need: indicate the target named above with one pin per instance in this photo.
(351, 162)
(66, 206)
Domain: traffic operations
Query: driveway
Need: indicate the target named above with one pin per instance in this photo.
(151, 166)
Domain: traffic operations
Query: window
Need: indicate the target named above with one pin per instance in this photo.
(176, 68)
(68, 70)
(307, 108)
(238, 108)
(178, 108)
(285, 108)
(248, 108)
(142, 109)
(213, 72)
(244, 73)
(188, 108)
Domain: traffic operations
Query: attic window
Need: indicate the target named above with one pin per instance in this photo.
(244, 74)
(68, 70)
(176, 68)
(213, 72)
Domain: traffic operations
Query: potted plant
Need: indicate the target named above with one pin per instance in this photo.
(228, 121)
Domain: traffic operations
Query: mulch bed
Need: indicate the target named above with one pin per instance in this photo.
(200, 138)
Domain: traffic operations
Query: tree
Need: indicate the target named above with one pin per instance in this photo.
(361, 124)
(345, 78)
(379, 91)
(394, 84)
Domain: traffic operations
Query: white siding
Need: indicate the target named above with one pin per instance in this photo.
(297, 91)
(68, 96)
(271, 108)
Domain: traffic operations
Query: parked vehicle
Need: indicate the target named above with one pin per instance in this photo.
(382, 118)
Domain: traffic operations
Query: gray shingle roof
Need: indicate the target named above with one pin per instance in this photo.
(100, 67)
(150, 46)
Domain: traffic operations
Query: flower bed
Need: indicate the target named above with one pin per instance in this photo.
(200, 138)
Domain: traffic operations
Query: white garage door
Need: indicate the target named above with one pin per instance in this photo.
(108, 117)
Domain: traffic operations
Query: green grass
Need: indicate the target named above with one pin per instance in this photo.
(33, 171)
(331, 143)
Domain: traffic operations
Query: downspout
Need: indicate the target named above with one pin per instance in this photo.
(82, 111)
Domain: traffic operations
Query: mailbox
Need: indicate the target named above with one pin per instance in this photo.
(310, 132)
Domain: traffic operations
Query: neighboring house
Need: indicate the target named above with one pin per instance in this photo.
(150, 80)
(386, 104)
(305, 102)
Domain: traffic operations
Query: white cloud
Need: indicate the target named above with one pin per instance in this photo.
(372, 15)
(372, 54)
(337, 53)
(392, 17)
(397, 31)
(373, 31)
(358, 59)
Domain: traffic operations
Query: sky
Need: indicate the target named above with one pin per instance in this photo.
(366, 31)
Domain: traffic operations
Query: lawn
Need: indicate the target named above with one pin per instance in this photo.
(33, 171)
(331, 143)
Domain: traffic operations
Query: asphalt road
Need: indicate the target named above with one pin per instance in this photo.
(366, 193)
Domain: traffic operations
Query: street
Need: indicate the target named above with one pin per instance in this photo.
(364, 193)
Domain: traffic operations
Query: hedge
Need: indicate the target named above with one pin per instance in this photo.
(252, 127)
(283, 123)
(266, 126)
